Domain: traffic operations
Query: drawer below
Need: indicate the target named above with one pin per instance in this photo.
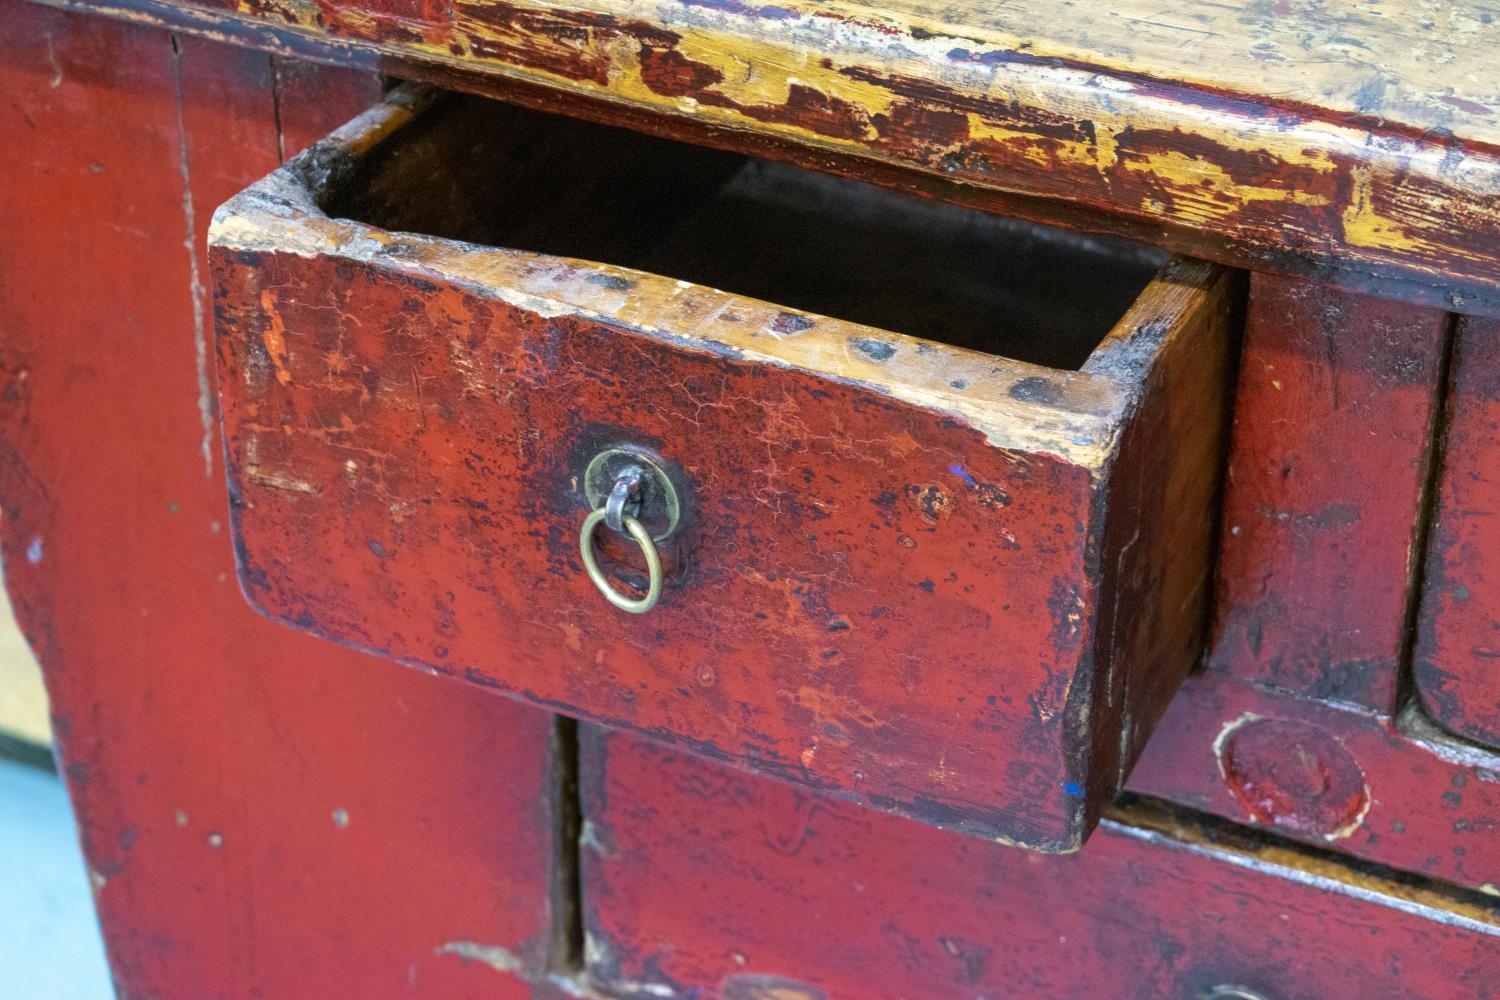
(956, 575)
(699, 881)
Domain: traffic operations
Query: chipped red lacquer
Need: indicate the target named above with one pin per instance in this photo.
(702, 881)
(1298, 727)
(1457, 662)
(449, 551)
(1396, 791)
(262, 814)
(869, 595)
(1353, 195)
(1328, 469)
(266, 815)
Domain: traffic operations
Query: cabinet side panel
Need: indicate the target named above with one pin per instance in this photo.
(262, 814)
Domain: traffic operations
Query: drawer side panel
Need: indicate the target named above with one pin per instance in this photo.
(1163, 513)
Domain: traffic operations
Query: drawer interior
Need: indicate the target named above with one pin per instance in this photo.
(499, 175)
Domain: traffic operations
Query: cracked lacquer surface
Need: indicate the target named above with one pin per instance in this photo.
(914, 557)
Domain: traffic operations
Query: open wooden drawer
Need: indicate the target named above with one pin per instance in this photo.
(955, 575)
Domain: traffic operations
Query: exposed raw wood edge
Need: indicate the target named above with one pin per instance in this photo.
(1414, 722)
(1398, 70)
(1179, 333)
(1091, 113)
(551, 286)
(1076, 418)
(1158, 824)
(1418, 65)
(960, 44)
(1409, 207)
(1169, 308)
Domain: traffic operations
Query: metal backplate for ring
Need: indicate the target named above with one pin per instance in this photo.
(657, 504)
(631, 495)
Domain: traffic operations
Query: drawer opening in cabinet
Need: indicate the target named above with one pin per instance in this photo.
(494, 174)
(952, 585)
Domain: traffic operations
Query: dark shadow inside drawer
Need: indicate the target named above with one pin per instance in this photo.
(499, 175)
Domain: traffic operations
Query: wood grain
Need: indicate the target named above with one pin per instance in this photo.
(1351, 143)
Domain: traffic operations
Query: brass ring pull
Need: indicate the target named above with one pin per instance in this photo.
(653, 562)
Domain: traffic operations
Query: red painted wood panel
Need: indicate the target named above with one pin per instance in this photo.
(1401, 793)
(263, 815)
(1328, 464)
(704, 882)
(310, 98)
(1457, 659)
(822, 665)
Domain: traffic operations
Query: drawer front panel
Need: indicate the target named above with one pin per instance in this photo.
(1333, 425)
(1457, 662)
(1399, 792)
(699, 881)
(903, 571)
(866, 594)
